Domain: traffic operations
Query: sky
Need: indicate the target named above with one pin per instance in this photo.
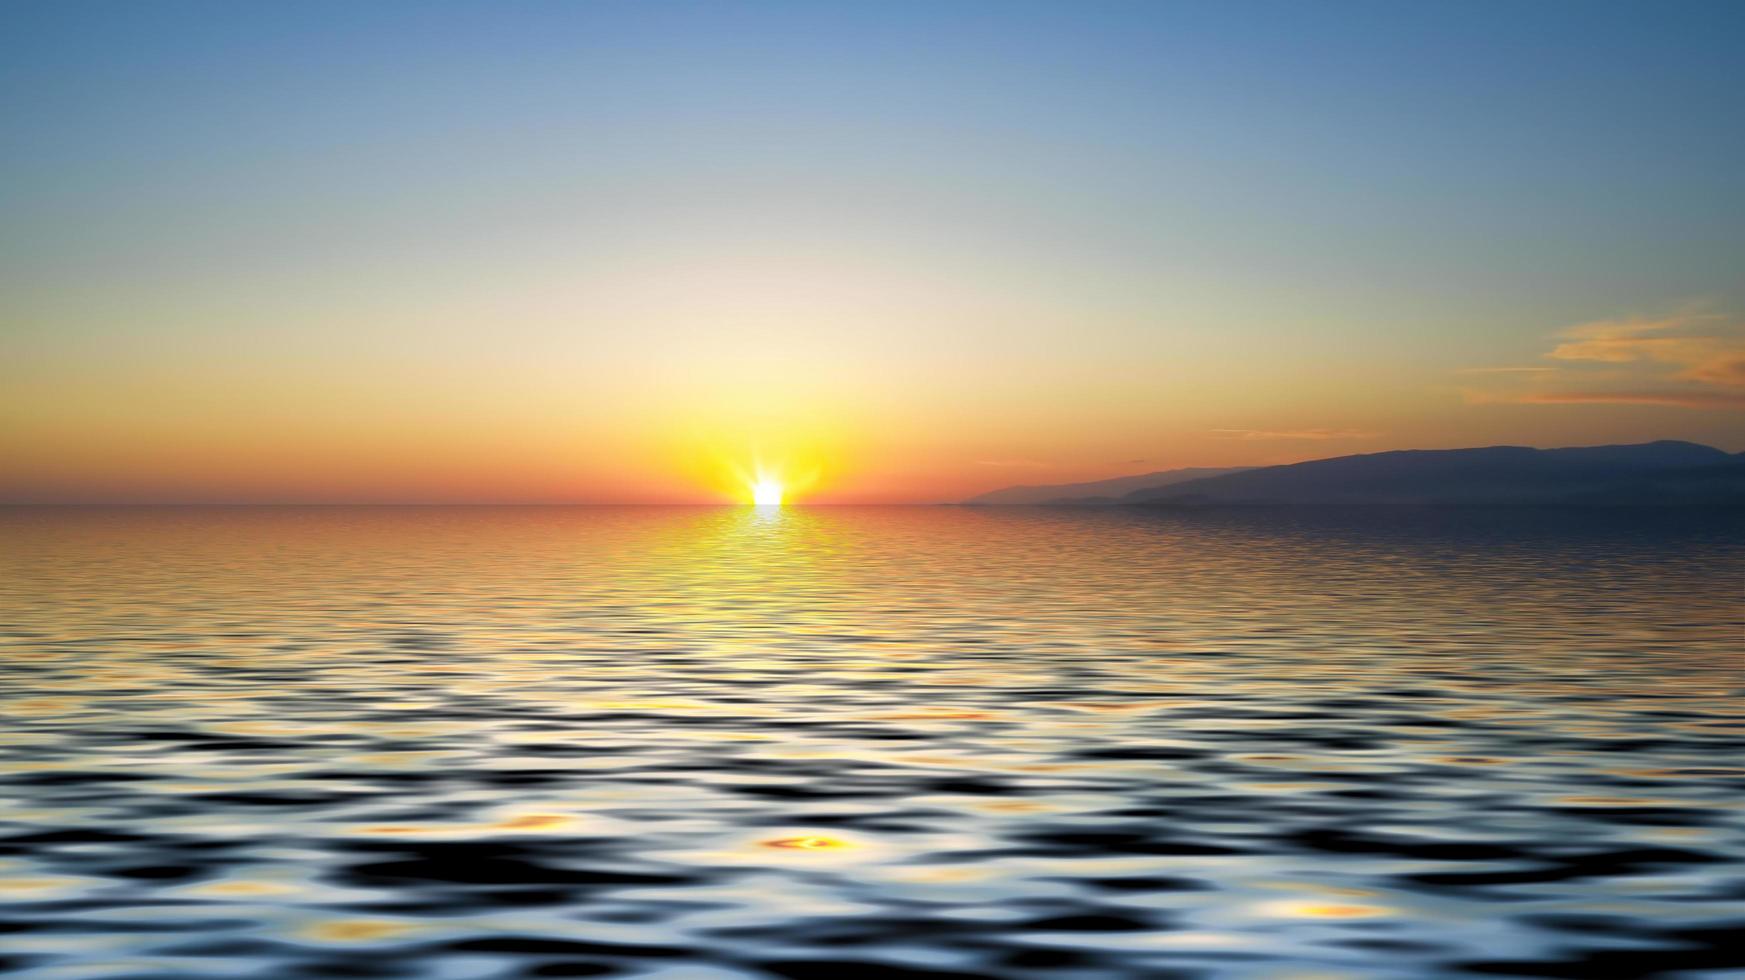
(894, 252)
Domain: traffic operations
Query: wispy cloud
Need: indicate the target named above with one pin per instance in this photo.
(1259, 434)
(1691, 343)
(1678, 399)
(1014, 464)
(1684, 360)
(1724, 368)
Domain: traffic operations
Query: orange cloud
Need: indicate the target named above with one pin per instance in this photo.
(1688, 341)
(1725, 368)
(1677, 360)
(1678, 399)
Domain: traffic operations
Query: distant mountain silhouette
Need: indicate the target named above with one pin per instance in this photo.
(1096, 491)
(1651, 474)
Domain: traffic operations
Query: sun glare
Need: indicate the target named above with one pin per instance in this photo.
(766, 492)
(762, 481)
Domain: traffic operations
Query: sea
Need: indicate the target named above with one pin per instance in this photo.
(836, 742)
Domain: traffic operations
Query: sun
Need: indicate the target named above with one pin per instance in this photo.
(766, 492)
(763, 482)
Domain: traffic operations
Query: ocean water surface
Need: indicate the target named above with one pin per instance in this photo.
(838, 742)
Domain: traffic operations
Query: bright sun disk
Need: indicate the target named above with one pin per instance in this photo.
(766, 492)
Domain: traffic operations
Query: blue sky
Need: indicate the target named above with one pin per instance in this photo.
(944, 210)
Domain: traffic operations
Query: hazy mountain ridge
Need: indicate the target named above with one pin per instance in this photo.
(1666, 473)
(1095, 491)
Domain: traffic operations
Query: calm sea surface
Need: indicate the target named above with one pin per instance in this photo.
(836, 742)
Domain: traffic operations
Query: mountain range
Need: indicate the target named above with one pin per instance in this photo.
(1666, 473)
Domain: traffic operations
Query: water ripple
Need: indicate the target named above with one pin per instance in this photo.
(927, 742)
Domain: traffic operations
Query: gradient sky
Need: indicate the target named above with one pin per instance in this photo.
(605, 251)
